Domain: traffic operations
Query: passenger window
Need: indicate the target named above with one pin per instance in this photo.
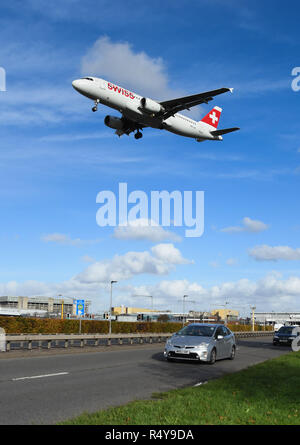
(219, 331)
(225, 331)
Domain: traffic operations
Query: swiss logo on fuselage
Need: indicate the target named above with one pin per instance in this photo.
(120, 90)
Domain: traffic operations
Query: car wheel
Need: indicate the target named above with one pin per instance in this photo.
(232, 355)
(213, 356)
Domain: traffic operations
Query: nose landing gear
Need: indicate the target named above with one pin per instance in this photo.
(138, 135)
(95, 108)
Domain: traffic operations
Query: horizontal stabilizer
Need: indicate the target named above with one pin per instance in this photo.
(224, 131)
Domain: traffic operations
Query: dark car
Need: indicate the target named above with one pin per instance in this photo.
(286, 335)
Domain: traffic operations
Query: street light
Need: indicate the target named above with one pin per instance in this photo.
(183, 307)
(253, 309)
(62, 307)
(110, 306)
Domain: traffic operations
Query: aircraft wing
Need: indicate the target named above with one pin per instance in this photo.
(185, 103)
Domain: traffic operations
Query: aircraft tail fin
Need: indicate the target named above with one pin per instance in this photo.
(213, 117)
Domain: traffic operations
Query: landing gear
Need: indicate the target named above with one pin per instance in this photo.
(95, 108)
(138, 135)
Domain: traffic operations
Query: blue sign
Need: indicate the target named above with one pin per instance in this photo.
(79, 307)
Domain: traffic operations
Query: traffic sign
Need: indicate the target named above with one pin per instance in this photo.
(79, 307)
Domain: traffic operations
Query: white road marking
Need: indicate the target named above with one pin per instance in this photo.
(40, 376)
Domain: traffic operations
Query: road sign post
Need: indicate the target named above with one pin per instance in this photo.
(80, 311)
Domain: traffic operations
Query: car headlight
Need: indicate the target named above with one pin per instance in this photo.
(203, 345)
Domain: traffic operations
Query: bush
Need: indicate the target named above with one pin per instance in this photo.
(26, 325)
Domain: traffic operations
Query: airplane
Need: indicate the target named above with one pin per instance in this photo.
(139, 112)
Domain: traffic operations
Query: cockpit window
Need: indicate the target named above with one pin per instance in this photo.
(88, 78)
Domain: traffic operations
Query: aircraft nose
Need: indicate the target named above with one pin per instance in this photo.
(76, 84)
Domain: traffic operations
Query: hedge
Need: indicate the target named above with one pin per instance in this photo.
(26, 325)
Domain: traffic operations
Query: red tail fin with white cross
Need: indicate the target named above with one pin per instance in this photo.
(213, 117)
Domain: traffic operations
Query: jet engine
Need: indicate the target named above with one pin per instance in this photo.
(150, 106)
(114, 122)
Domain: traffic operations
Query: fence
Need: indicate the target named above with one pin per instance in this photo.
(48, 341)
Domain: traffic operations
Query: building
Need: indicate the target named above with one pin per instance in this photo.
(42, 306)
(120, 310)
(226, 314)
(272, 318)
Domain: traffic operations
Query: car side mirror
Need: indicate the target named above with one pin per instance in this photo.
(219, 337)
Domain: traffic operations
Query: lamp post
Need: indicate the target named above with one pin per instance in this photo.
(110, 306)
(62, 308)
(253, 309)
(183, 308)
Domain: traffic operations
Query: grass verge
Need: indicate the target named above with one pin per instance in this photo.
(263, 394)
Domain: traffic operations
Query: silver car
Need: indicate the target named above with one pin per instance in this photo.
(201, 342)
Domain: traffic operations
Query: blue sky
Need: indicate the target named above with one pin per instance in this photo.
(56, 155)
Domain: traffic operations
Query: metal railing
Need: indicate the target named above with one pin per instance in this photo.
(48, 341)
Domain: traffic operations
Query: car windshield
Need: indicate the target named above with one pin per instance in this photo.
(202, 331)
(285, 330)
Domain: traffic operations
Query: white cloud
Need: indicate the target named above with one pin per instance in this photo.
(269, 293)
(144, 229)
(249, 225)
(122, 267)
(119, 63)
(274, 253)
(66, 240)
(169, 254)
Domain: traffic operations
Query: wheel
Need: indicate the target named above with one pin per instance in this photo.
(232, 355)
(213, 356)
(94, 109)
(138, 135)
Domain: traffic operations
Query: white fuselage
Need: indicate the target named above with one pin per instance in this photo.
(129, 104)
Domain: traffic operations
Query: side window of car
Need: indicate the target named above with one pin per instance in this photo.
(224, 331)
(219, 331)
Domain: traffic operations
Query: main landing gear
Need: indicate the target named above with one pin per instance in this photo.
(138, 135)
(95, 108)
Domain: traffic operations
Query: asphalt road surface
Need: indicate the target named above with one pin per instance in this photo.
(50, 386)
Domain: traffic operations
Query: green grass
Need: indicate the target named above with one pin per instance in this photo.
(263, 394)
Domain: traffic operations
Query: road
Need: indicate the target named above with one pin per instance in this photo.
(48, 387)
